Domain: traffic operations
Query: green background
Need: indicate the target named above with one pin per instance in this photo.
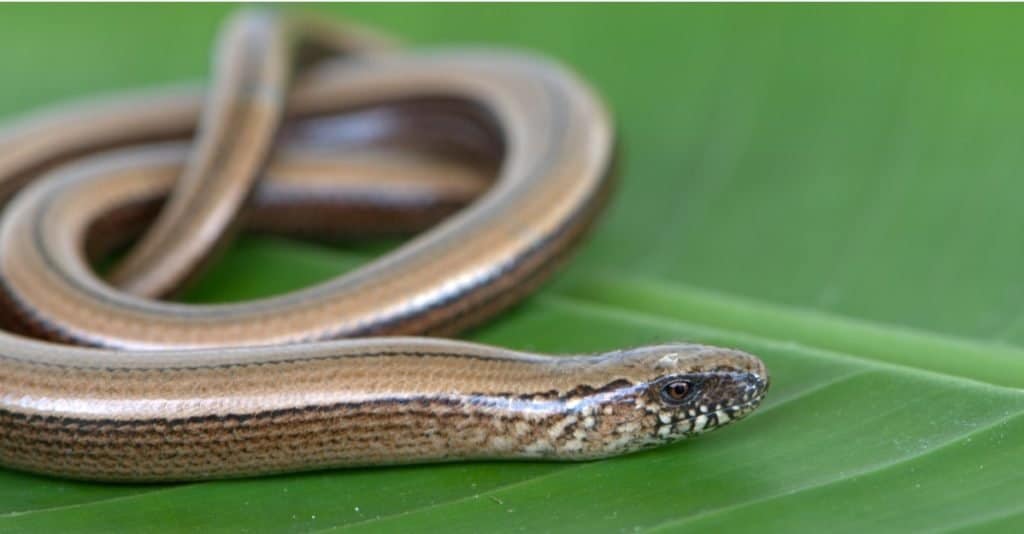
(835, 188)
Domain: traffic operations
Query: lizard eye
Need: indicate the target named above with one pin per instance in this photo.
(676, 391)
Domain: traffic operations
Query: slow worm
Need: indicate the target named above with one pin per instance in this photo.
(498, 161)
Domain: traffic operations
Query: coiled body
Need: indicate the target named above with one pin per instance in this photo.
(375, 144)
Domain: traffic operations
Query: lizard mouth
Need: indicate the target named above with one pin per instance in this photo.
(699, 422)
(702, 422)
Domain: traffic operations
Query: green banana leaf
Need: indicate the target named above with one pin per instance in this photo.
(834, 188)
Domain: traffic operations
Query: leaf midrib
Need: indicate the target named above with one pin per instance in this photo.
(956, 357)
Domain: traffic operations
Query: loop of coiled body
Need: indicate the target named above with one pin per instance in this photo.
(502, 160)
